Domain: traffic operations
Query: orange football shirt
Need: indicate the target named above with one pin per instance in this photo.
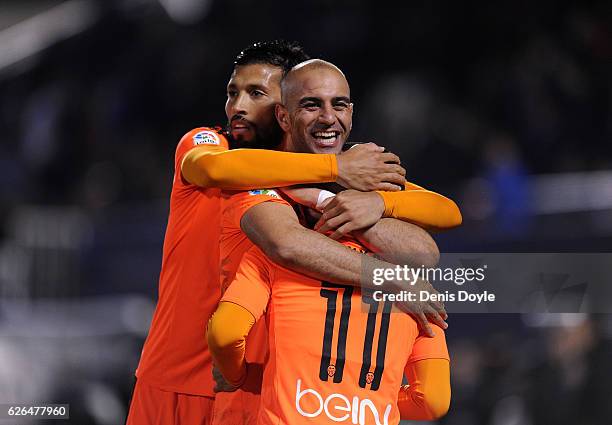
(240, 405)
(336, 355)
(175, 356)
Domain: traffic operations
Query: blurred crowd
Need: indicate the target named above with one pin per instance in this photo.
(503, 90)
(476, 97)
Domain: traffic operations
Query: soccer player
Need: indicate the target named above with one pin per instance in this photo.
(336, 355)
(326, 130)
(288, 242)
(174, 378)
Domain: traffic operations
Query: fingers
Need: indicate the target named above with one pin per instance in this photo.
(393, 178)
(387, 187)
(332, 210)
(374, 147)
(370, 147)
(343, 230)
(424, 325)
(438, 306)
(333, 223)
(394, 169)
(436, 319)
(390, 158)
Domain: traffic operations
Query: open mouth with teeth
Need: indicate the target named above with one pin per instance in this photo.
(326, 138)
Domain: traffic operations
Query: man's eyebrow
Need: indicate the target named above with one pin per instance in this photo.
(249, 87)
(341, 99)
(309, 99)
(257, 87)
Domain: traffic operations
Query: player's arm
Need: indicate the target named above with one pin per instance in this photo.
(352, 210)
(242, 304)
(399, 242)
(274, 227)
(393, 240)
(427, 397)
(428, 372)
(243, 169)
(422, 207)
(367, 168)
(227, 332)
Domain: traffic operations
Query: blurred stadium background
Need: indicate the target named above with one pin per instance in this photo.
(505, 106)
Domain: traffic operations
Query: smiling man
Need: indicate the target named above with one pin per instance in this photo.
(253, 92)
(352, 351)
(174, 376)
(313, 126)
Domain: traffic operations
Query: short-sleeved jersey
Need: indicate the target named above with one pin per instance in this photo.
(175, 356)
(336, 354)
(233, 245)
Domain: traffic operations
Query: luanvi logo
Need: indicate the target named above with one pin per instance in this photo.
(338, 407)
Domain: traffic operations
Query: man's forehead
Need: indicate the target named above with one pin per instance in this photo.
(321, 84)
(256, 74)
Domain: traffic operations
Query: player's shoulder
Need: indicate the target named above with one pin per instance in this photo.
(212, 136)
(241, 201)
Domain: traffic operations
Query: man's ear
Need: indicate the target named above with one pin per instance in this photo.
(282, 116)
(351, 112)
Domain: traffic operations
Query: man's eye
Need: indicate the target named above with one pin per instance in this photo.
(340, 106)
(232, 93)
(257, 93)
(310, 105)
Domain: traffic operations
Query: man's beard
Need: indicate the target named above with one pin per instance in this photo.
(268, 140)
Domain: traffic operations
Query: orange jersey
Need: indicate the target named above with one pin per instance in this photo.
(233, 245)
(175, 355)
(336, 355)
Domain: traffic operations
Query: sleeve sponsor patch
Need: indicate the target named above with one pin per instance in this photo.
(269, 192)
(206, 137)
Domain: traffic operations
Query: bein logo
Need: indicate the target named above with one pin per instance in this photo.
(340, 410)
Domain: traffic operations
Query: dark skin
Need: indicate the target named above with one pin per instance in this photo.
(252, 94)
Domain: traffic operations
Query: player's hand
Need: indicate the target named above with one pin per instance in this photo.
(221, 385)
(424, 312)
(350, 210)
(366, 167)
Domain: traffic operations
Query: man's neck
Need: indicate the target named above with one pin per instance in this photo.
(287, 143)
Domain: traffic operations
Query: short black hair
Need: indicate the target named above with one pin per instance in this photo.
(281, 53)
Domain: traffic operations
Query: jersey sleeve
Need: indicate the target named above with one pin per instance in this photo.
(427, 397)
(236, 204)
(244, 169)
(227, 331)
(204, 139)
(430, 348)
(422, 207)
(242, 304)
(251, 287)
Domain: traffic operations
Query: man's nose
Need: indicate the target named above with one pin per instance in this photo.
(239, 107)
(327, 116)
